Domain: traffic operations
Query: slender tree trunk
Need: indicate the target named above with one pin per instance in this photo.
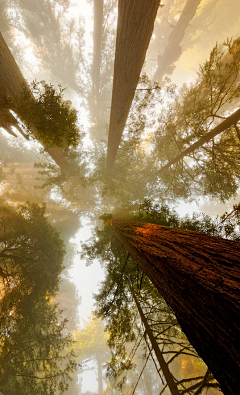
(97, 42)
(135, 25)
(199, 277)
(164, 366)
(173, 50)
(227, 123)
(100, 378)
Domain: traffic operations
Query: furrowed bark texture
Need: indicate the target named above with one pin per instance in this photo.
(12, 83)
(227, 123)
(198, 275)
(135, 25)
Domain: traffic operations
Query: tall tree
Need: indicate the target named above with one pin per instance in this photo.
(13, 85)
(124, 312)
(91, 345)
(199, 122)
(55, 38)
(232, 120)
(35, 350)
(99, 112)
(198, 275)
(219, 91)
(134, 30)
(173, 49)
(97, 44)
(164, 366)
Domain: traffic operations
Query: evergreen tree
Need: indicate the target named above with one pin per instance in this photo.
(35, 351)
(126, 286)
(197, 275)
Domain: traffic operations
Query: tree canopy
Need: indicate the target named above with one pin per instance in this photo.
(151, 145)
(126, 292)
(35, 351)
(52, 117)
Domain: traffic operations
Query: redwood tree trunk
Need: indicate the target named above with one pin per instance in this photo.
(135, 25)
(198, 275)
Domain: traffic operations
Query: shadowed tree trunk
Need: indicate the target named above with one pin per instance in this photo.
(227, 123)
(135, 25)
(12, 83)
(97, 41)
(173, 50)
(198, 275)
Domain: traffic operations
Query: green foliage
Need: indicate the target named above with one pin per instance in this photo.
(35, 350)
(53, 119)
(134, 173)
(31, 250)
(50, 175)
(164, 122)
(115, 302)
(227, 226)
(91, 341)
(212, 169)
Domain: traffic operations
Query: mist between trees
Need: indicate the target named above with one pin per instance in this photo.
(103, 129)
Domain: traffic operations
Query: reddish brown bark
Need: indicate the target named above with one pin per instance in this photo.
(227, 123)
(135, 25)
(199, 277)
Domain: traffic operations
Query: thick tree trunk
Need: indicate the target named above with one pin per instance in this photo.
(227, 123)
(97, 42)
(173, 50)
(198, 275)
(135, 25)
(163, 365)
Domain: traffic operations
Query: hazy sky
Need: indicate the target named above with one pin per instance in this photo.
(88, 278)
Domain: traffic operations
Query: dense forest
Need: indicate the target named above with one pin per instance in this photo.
(119, 197)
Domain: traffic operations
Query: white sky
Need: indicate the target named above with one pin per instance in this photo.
(86, 278)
